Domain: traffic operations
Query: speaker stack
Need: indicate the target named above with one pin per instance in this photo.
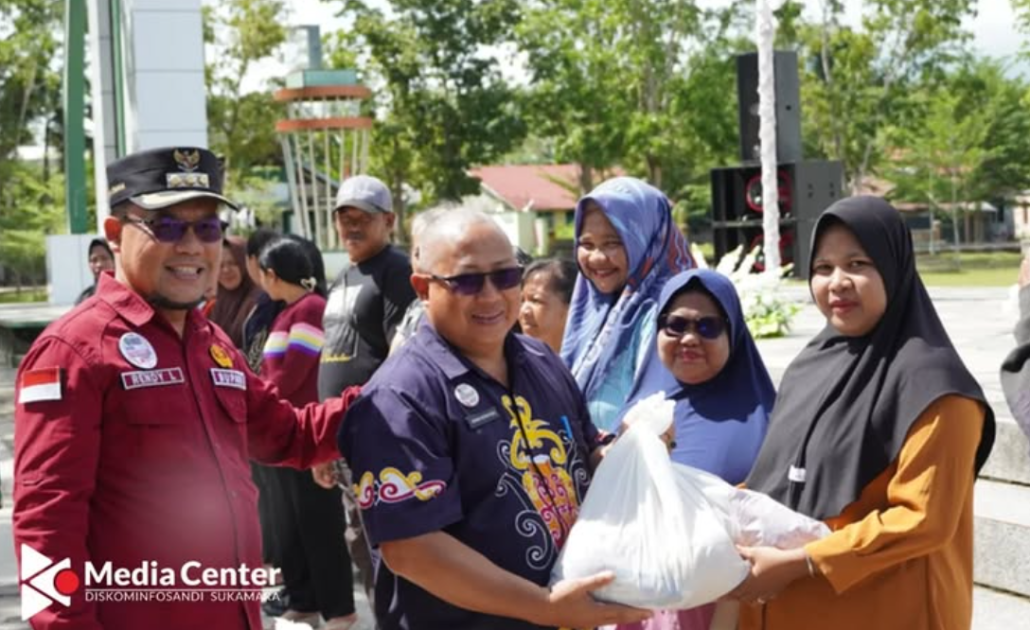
(804, 187)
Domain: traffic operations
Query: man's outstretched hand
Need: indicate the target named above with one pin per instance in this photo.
(572, 606)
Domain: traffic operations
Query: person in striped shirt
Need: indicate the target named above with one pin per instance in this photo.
(315, 560)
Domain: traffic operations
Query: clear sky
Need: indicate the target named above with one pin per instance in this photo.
(993, 28)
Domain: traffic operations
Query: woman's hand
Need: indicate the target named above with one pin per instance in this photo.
(772, 570)
(669, 437)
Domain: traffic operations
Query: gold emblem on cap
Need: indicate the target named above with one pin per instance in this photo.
(221, 357)
(117, 188)
(186, 159)
(187, 180)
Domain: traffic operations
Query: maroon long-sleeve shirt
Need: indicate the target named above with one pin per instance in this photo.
(140, 454)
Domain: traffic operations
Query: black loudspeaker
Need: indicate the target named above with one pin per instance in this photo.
(788, 107)
(805, 189)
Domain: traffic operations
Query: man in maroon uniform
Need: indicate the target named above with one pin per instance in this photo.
(136, 418)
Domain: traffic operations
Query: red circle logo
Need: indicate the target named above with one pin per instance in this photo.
(66, 582)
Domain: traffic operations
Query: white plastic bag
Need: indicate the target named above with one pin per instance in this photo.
(667, 531)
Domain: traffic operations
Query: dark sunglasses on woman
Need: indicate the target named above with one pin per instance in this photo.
(708, 327)
(171, 230)
(473, 283)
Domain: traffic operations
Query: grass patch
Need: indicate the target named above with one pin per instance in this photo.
(948, 262)
(970, 269)
(991, 277)
(27, 295)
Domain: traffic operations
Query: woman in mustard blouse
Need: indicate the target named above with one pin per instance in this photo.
(879, 430)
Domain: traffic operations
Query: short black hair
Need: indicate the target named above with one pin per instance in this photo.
(317, 264)
(258, 240)
(99, 242)
(289, 260)
(561, 275)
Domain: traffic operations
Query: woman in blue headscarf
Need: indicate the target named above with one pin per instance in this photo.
(627, 247)
(710, 366)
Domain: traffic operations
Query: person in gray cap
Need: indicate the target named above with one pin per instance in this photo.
(135, 420)
(366, 304)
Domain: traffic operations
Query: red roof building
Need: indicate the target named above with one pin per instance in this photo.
(534, 187)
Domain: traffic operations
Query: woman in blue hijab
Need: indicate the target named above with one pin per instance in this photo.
(710, 366)
(627, 247)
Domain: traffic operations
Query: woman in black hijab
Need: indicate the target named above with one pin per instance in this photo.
(879, 430)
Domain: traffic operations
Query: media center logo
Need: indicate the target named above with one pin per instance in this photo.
(44, 582)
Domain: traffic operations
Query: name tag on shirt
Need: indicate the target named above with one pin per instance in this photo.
(152, 378)
(229, 378)
(476, 420)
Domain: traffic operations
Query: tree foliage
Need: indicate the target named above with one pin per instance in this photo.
(240, 34)
(31, 199)
(443, 104)
(858, 80)
(646, 85)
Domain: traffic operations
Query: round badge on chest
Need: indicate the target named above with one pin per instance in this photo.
(137, 350)
(466, 395)
(221, 356)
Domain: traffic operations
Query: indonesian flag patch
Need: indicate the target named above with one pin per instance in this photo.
(40, 385)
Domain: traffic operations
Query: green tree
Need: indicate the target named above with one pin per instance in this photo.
(1022, 9)
(38, 211)
(988, 90)
(858, 80)
(942, 156)
(442, 103)
(30, 199)
(241, 125)
(647, 85)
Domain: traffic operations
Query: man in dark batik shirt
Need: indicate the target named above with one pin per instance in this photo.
(471, 450)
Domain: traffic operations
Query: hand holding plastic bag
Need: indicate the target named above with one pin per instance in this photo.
(669, 532)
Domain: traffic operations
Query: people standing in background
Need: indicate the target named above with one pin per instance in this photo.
(100, 259)
(546, 293)
(271, 506)
(237, 293)
(413, 315)
(314, 559)
(879, 430)
(709, 364)
(627, 247)
(1015, 370)
(255, 327)
(366, 303)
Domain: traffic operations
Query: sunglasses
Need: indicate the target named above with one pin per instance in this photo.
(472, 283)
(707, 327)
(171, 230)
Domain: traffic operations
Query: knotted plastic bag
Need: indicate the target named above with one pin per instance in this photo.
(669, 532)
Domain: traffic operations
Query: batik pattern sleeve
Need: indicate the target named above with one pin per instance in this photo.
(57, 446)
(404, 475)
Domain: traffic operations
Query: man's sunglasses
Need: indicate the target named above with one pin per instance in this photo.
(171, 230)
(472, 283)
(707, 327)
